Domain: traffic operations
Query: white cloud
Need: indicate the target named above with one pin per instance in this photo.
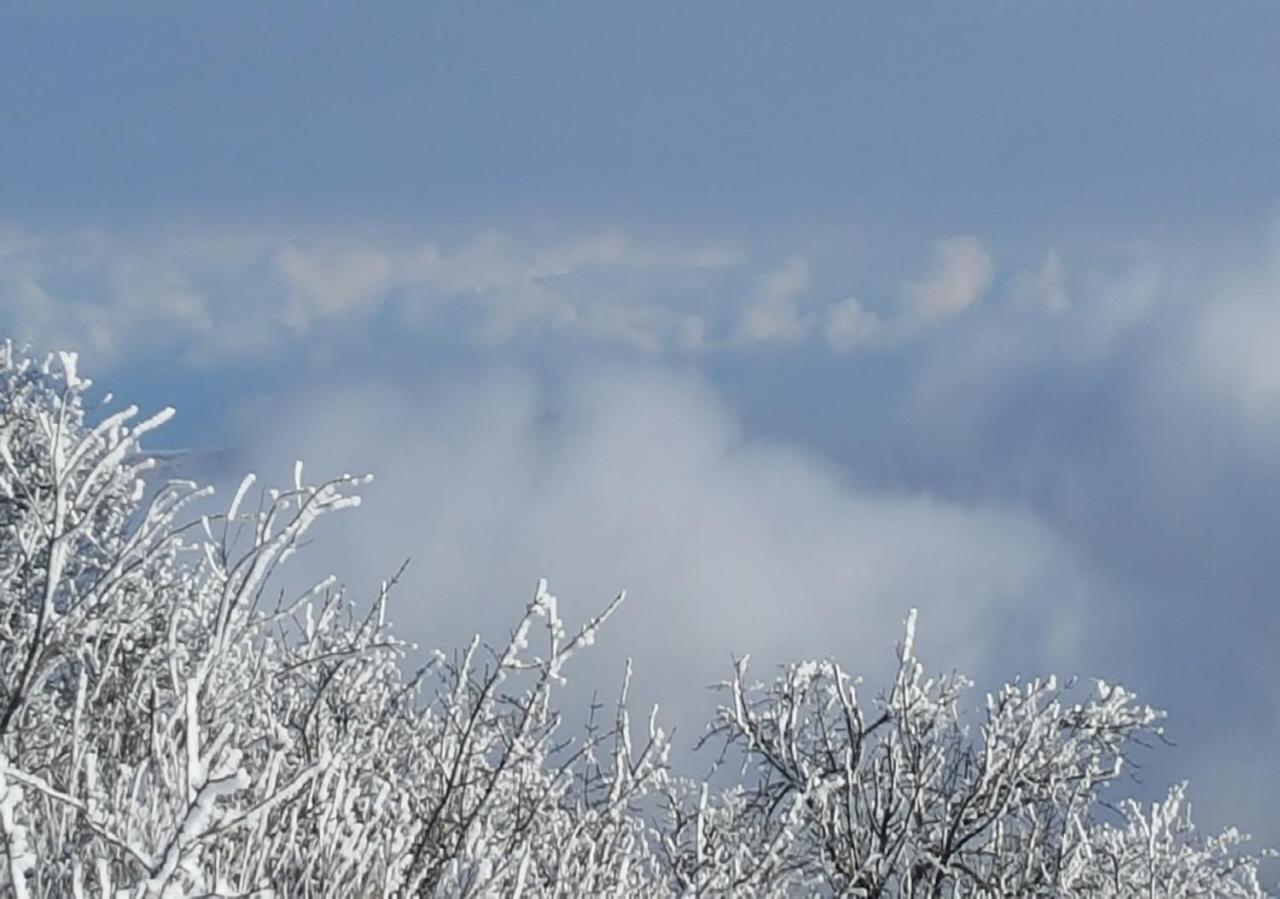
(325, 282)
(587, 286)
(1235, 342)
(210, 293)
(80, 290)
(218, 292)
(643, 480)
(849, 324)
(1043, 287)
(960, 274)
(775, 313)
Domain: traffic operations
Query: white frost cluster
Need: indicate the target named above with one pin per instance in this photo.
(171, 725)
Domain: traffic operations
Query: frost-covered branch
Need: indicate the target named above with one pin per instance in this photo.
(164, 732)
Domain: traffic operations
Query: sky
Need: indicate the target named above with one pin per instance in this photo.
(785, 319)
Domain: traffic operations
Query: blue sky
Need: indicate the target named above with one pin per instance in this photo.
(786, 318)
(962, 115)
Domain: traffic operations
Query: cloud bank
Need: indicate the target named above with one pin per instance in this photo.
(209, 294)
(643, 480)
(1068, 462)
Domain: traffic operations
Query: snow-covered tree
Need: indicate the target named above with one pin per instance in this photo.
(172, 725)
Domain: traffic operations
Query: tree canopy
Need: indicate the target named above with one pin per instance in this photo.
(173, 724)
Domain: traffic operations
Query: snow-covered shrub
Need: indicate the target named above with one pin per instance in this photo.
(172, 725)
(905, 796)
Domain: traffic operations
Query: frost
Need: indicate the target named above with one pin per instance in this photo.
(173, 723)
(69, 368)
(21, 859)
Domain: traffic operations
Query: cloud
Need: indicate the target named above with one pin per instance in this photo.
(639, 479)
(775, 313)
(76, 291)
(584, 286)
(1235, 344)
(1098, 446)
(849, 324)
(324, 283)
(960, 274)
(1043, 287)
(216, 293)
(1141, 423)
(213, 293)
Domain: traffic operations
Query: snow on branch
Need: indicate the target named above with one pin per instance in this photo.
(168, 731)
